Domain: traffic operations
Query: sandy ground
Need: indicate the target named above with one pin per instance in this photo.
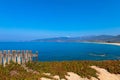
(102, 75)
(105, 75)
(70, 76)
(116, 44)
(73, 76)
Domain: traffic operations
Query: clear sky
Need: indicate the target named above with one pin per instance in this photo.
(34, 19)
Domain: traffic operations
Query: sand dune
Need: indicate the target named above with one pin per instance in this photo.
(102, 75)
(105, 75)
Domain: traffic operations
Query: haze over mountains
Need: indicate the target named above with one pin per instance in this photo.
(100, 38)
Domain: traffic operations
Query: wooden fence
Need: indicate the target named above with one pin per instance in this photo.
(17, 56)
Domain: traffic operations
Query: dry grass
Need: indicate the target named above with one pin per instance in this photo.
(82, 68)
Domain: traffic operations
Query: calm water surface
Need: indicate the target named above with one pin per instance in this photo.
(53, 51)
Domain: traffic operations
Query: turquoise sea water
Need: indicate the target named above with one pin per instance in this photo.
(53, 51)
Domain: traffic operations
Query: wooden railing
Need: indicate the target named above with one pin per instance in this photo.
(17, 56)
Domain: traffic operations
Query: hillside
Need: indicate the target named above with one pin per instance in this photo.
(101, 38)
(84, 70)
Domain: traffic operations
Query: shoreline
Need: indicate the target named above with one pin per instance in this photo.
(115, 44)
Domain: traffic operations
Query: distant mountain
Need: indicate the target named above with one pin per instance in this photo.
(57, 39)
(101, 38)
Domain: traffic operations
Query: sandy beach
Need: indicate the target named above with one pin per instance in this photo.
(116, 44)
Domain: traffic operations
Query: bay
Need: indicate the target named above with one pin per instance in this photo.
(65, 51)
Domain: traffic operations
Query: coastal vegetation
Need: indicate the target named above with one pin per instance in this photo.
(37, 69)
(15, 71)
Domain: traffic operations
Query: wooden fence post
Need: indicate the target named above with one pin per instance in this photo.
(36, 55)
(14, 56)
(8, 57)
(30, 55)
(23, 56)
(1, 56)
(26, 56)
(4, 58)
(18, 57)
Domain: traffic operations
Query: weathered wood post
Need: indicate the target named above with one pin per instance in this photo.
(30, 55)
(8, 57)
(1, 55)
(36, 55)
(18, 57)
(14, 56)
(23, 56)
(4, 58)
(26, 56)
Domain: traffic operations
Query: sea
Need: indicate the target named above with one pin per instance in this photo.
(66, 51)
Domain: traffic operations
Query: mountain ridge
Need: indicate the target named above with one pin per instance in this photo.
(100, 38)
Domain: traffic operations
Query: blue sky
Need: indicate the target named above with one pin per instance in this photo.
(32, 19)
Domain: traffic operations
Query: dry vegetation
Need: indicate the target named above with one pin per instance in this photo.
(16, 72)
(82, 68)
